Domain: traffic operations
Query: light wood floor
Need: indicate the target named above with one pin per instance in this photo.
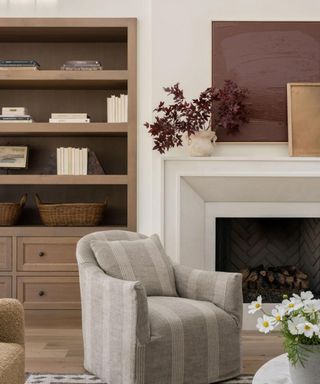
(54, 344)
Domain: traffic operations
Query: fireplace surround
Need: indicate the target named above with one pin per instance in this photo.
(197, 191)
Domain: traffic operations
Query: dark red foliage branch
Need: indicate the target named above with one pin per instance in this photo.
(223, 108)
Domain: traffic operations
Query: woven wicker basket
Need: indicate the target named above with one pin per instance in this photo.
(71, 214)
(10, 212)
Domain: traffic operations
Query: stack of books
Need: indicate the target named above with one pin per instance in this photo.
(81, 65)
(72, 161)
(19, 64)
(69, 118)
(15, 115)
(117, 108)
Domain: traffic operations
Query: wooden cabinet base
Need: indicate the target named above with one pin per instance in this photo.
(49, 292)
(47, 254)
(5, 287)
(40, 271)
(5, 253)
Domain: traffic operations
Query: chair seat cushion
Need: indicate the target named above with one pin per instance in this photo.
(11, 363)
(191, 342)
(141, 260)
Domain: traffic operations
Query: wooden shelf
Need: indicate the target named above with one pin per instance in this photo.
(64, 179)
(42, 79)
(65, 29)
(65, 129)
(52, 42)
(42, 230)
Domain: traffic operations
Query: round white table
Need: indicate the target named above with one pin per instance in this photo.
(275, 371)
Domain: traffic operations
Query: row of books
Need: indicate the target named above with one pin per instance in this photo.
(71, 65)
(72, 161)
(15, 115)
(117, 108)
(81, 65)
(19, 64)
(69, 118)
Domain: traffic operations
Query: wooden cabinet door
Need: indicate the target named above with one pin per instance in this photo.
(5, 287)
(49, 292)
(5, 253)
(47, 254)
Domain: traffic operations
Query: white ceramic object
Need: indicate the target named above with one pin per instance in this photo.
(310, 372)
(201, 144)
(275, 371)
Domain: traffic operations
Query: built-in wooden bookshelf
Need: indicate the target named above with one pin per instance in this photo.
(29, 251)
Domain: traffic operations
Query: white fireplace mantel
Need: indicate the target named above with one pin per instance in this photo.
(195, 190)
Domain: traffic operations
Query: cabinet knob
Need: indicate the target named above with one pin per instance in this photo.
(41, 253)
(41, 293)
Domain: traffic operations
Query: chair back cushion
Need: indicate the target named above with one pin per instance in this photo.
(141, 260)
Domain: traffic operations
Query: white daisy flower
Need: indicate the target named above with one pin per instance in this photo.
(291, 305)
(308, 295)
(307, 329)
(312, 306)
(278, 313)
(304, 297)
(255, 305)
(293, 325)
(265, 324)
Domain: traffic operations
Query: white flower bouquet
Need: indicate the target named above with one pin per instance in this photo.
(298, 319)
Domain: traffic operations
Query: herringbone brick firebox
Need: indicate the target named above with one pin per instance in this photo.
(272, 247)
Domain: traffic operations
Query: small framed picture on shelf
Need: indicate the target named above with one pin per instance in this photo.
(13, 156)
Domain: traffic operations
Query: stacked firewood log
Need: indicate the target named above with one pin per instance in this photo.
(284, 277)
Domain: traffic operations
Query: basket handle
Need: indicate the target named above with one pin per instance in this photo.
(23, 200)
(37, 198)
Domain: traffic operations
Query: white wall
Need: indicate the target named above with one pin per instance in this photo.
(181, 44)
(174, 40)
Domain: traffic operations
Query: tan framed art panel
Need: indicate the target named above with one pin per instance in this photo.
(304, 119)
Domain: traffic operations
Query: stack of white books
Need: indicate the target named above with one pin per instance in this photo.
(69, 118)
(72, 161)
(15, 115)
(117, 109)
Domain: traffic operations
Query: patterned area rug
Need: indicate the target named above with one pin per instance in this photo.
(89, 379)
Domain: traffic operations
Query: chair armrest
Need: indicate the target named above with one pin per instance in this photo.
(11, 321)
(114, 302)
(221, 288)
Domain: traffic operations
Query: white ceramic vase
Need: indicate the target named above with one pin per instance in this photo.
(201, 143)
(310, 372)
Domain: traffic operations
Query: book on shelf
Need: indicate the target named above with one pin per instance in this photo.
(69, 118)
(19, 64)
(14, 111)
(117, 109)
(72, 161)
(16, 119)
(18, 69)
(81, 65)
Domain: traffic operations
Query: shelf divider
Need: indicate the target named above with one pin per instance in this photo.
(62, 129)
(64, 179)
(55, 79)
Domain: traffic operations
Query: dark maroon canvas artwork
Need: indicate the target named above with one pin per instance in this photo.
(264, 57)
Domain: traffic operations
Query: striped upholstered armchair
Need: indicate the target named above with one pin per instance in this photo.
(146, 321)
